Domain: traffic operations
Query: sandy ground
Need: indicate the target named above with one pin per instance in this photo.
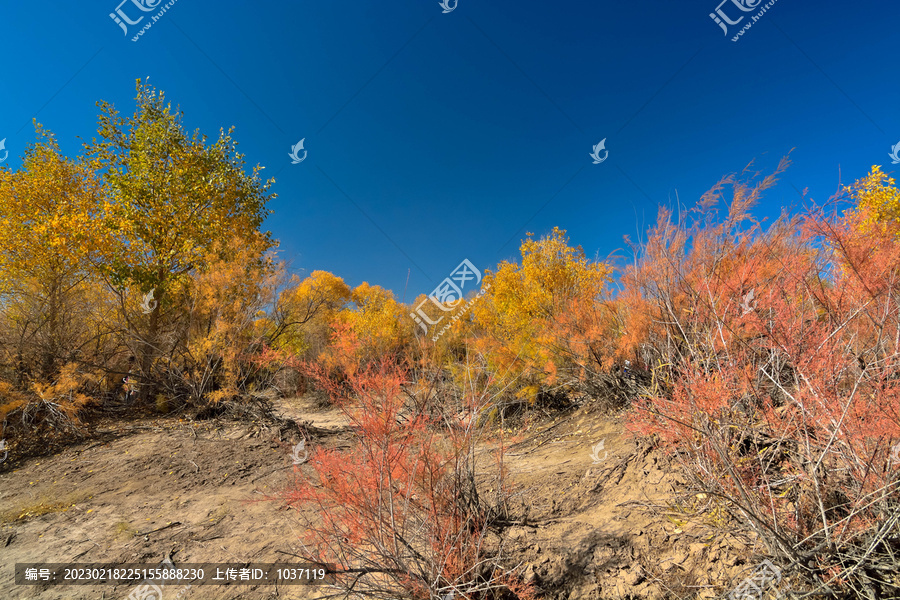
(195, 489)
(598, 519)
(592, 522)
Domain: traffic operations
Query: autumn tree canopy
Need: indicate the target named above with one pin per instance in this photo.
(171, 199)
(48, 214)
(515, 315)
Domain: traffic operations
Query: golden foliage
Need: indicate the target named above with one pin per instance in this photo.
(64, 394)
(48, 212)
(519, 315)
(302, 318)
(226, 298)
(10, 399)
(876, 195)
(375, 326)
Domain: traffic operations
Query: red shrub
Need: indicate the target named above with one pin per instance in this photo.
(400, 512)
(776, 371)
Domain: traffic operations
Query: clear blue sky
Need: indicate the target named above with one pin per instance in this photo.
(436, 137)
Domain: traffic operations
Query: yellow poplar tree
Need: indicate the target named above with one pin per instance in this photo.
(173, 198)
(376, 326)
(48, 211)
(517, 313)
(303, 315)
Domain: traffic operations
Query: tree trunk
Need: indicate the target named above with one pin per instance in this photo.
(49, 349)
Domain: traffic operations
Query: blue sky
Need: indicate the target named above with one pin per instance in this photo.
(435, 137)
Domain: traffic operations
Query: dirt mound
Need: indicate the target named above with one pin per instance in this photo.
(597, 519)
